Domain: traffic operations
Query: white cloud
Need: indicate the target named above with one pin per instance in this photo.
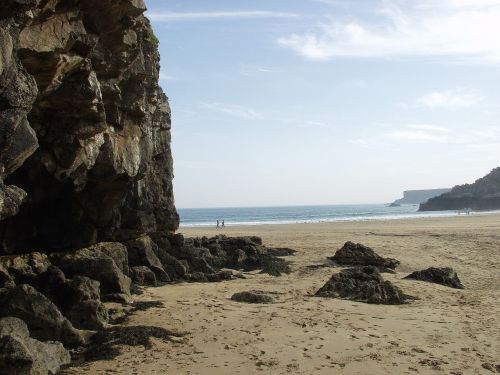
(232, 110)
(427, 127)
(188, 16)
(450, 99)
(466, 30)
(252, 70)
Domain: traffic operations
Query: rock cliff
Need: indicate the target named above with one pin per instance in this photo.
(84, 127)
(484, 194)
(419, 196)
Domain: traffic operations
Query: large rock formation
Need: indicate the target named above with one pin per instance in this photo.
(84, 127)
(484, 194)
(419, 196)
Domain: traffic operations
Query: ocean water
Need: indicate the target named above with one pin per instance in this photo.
(193, 217)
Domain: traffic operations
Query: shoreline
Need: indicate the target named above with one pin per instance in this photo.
(423, 216)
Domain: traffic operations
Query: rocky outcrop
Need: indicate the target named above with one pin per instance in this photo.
(352, 254)
(84, 127)
(484, 194)
(445, 276)
(252, 297)
(363, 284)
(22, 355)
(419, 196)
(42, 316)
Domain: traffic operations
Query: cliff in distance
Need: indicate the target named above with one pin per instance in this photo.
(484, 194)
(84, 127)
(419, 196)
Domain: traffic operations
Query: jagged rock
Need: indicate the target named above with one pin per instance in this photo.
(24, 269)
(85, 127)
(78, 299)
(22, 355)
(142, 275)
(445, 276)
(94, 264)
(252, 297)
(352, 254)
(6, 280)
(363, 284)
(141, 253)
(117, 251)
(117, 297)
(42, 316)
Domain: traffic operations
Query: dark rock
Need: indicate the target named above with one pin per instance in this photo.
(117, 251)
(42, 316)
(280, 251)
(142, 275)
(142, 252)
(445, 276)
(483, 194)
(352, 254)
(20, 354)
(85, 128)
(24, 269)
(252, 297)
(6, 281)
(94, 264)
(274, 266)
(363, 284)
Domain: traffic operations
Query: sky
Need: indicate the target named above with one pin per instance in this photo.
(304, 102)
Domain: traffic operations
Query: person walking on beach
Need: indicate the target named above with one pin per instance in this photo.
(223, 224)
(217, 225)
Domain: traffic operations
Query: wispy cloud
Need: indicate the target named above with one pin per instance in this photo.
(252, 70)
(188, 16)
(232, 110)
(466, 30)
(429, 133)
(450, 99)
(439, 134)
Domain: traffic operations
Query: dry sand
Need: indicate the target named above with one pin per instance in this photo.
(447, 331)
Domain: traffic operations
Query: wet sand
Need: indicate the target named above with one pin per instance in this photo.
(446, 331)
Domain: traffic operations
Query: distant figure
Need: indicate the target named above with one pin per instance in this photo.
(223, 224)
(217, 224)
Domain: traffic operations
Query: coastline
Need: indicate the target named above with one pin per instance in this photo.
(411, 216)
(445, 331)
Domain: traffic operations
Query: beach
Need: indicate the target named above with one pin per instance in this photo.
(444, 331)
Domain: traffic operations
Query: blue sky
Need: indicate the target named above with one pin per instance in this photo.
(295, 102)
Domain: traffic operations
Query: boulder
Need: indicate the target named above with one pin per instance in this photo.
(6, 280)
(78, 299)
(352, 254)
(94, 264)
(252, 297)
(42, 316)
(363, 284)
(141, 252)
(117, 251)
(445, 276)
(20, 354)
(142, 275)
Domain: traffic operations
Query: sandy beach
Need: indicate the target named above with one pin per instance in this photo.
(445, 331)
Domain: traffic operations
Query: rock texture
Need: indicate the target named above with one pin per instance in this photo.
(484, 194)
(445, 276)
(84, 127)
(352, 254)
(22, 355)
(252, 297)
(363, 284)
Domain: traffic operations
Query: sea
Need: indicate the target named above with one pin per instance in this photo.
(205, 217)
